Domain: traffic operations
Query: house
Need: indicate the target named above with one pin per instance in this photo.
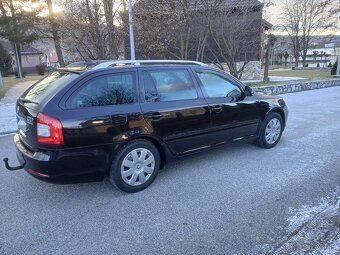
(322, 52)
(30, 57)
(164, 31)
(50, 59)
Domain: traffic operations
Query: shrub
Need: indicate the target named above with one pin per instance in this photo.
(318, 65)
(334, 68)
(306, 65)
(40, 69)
(5, 61)
(17, 74)
(330, 64)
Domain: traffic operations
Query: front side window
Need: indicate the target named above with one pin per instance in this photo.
(113, 89)
(168, 85)
(217, 86)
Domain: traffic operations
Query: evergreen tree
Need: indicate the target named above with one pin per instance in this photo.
(17, 26)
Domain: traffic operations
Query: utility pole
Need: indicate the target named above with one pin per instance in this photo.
(1, 81)
(132, 40)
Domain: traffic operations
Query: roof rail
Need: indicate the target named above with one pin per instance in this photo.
(139, 62)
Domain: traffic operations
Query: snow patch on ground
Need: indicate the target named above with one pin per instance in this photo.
(8, 121)
(312, 229)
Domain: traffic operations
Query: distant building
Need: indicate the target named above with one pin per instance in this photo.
(30, 57)
(323, 51)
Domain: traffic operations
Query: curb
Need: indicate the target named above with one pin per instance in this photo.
(297, 87)
(8, 133)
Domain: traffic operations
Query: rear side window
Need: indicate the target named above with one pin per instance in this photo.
(48, 85)
(168, 85)
(112, 89)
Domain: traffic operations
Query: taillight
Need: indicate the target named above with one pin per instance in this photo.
(49, 130)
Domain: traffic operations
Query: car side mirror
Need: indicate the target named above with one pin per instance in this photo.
(248, 91)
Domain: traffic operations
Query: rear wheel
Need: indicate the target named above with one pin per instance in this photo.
(271, 131)
(135, 166)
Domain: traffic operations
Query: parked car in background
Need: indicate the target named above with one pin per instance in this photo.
(125, 119)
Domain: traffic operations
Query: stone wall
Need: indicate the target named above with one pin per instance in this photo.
(252, 70)
(296, 87)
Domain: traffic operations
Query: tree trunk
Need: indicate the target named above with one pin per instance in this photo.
(17, 55)
(108, 8)
(266, 63)
(55, 35)
(297, 60)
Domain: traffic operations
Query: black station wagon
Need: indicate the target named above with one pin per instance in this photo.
(125, 119)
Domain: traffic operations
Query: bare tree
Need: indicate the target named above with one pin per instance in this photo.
(301, 19)
(235, 35)
(89, 27)
(55, 32)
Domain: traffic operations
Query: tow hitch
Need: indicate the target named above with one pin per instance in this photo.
(12, 168)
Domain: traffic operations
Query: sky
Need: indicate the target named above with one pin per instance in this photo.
(273, 13)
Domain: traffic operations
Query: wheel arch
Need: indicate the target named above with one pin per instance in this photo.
(161, 147)
(280, 112)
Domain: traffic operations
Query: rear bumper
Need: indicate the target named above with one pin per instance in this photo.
(64, 166)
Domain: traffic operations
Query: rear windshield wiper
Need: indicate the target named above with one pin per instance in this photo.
(27, 101)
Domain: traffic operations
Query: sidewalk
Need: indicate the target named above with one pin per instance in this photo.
(8, 123)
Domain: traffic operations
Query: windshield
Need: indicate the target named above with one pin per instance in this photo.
(47, 86)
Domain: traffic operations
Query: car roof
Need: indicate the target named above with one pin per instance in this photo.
(101, 65)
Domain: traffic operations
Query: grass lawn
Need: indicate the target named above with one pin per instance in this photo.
(310, 74)
(10, 81)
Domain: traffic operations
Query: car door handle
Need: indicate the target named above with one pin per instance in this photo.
(119, 119)
(154, 116)
(217, 109)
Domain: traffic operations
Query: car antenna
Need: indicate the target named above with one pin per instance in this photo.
(81, 55)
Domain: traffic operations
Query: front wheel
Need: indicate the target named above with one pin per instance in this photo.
(135, 166)
(271, 131)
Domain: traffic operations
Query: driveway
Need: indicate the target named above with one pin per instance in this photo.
(238, 199)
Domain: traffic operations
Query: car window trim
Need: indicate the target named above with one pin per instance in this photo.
(197, 70)
(76, 87)
(188, 69)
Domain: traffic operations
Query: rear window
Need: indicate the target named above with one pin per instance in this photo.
(48, 85)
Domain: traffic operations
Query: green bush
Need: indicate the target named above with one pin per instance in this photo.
(5, 61)
(330, 64)
(334, 68)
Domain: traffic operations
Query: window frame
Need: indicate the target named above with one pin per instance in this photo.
(70, 95)
(220, 74)
(175, 68)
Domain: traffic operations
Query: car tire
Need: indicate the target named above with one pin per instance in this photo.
(271, 131)
(135, 166)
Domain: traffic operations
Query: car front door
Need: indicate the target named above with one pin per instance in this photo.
(234, 116)
(175, 109)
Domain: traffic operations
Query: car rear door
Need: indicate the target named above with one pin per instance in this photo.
(233, 116)
(102, 109)
(175, 108)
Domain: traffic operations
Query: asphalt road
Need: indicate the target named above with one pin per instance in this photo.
(232, 200)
